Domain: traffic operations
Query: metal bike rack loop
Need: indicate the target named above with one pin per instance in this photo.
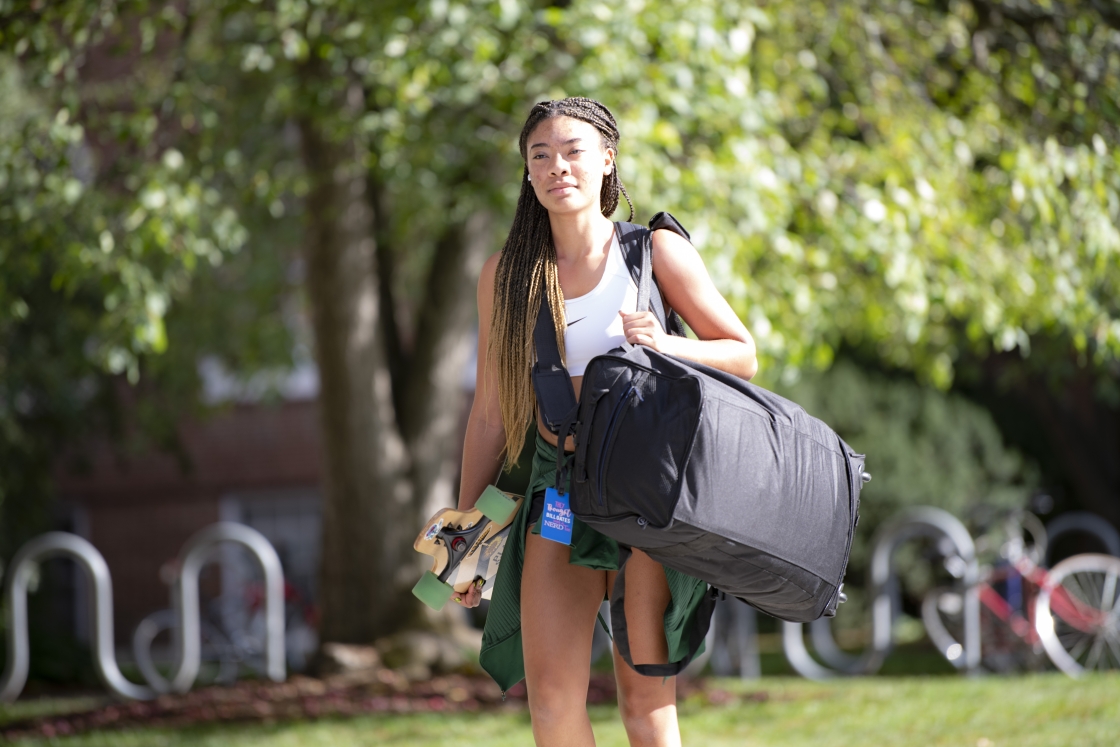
(1087, 522)
(924, 521)
(15, 594)
(195, 554)
(736, 627)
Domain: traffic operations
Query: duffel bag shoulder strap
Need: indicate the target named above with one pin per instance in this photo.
(696, 635)
(556, 396)
(637, 250)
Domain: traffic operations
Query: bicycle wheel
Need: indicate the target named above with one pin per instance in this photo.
(1003, 648)
(1016, 535)
(1077, 614)
(220, 660)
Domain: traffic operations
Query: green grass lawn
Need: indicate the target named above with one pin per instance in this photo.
(1031, 711)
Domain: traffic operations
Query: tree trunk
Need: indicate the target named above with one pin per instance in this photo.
(368, 506)
(390, 416)
(432, 396)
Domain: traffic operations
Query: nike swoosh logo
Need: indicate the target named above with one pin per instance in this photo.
(577, 320)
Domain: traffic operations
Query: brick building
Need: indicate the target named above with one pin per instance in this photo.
(254, 462)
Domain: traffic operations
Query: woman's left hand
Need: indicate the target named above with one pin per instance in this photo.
(471, 597)
(641, 328)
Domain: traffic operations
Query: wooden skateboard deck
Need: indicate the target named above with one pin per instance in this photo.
(466, 546)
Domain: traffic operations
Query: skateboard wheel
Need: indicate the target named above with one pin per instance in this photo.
(495, 505)
(431, 591)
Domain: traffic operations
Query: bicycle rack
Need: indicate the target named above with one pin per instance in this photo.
(195, 554)
(917, 522)
(1087, 522)
(15, 594)
(736, 625)
(733, 623)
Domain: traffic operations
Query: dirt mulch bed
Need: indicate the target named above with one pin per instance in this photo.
(301, 698)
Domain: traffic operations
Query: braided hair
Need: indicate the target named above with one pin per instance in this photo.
(527, 275)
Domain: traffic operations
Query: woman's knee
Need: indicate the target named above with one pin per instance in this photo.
(639, 694)
(553, 703)
(648, 709)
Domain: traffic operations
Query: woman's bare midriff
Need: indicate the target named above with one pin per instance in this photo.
(569, 444)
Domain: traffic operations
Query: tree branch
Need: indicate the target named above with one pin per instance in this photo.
(443, 319)
(386, 279)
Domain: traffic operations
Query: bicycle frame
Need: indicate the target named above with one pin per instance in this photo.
(1072, 610)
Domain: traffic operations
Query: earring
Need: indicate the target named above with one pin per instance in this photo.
(528, 178)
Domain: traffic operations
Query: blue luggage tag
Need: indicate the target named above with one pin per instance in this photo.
(556, 520)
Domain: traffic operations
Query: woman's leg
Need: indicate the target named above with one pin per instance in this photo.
(559, 602)
(648, 704)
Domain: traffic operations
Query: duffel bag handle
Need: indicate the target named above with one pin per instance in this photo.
(622, 638)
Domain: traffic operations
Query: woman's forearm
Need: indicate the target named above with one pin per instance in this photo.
(482, 458)
(732, 356)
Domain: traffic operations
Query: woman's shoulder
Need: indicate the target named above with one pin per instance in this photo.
(489, 270)
(486, 284)
(490, 266)
(673, 254)
(666, 239)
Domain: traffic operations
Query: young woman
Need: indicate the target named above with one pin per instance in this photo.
(563, 250)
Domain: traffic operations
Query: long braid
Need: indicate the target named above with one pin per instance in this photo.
(527, 275)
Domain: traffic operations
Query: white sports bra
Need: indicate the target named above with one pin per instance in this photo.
(594, 326)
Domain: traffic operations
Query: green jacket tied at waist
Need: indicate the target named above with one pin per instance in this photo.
(501, 654)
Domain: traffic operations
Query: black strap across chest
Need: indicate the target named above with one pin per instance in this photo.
(556, 398)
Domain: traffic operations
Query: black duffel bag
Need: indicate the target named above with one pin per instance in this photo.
(707, 473)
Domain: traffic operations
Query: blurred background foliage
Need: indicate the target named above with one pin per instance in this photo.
(927, 192)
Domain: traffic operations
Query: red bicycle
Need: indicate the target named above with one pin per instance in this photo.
(1070, 613)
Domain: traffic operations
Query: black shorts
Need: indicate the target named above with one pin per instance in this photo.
(536, 507)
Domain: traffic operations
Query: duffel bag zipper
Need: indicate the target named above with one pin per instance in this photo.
(607, 439)
(853, 490)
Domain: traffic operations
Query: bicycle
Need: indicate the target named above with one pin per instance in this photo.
(232, 635)
(1069, 613)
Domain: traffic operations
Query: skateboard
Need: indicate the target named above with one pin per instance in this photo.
(466, 547)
